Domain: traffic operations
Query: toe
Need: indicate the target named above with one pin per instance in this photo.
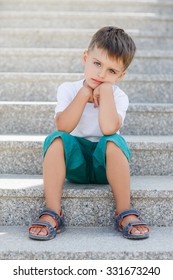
(139, 230)
(38, 231)
(135, 231)
(43, 232)
(145, 230)
(35, 231)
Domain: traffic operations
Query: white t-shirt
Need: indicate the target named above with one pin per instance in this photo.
(88, 126)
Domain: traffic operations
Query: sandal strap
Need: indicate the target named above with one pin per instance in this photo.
(46, 225)
(51, 231)
(58, 219)
(127, 228)
(126, 213)
(126, 231)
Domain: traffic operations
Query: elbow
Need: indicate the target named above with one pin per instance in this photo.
(111, 125)
(58, 122)
(110, 129)
(61, 127)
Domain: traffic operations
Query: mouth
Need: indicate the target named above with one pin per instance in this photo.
(96, 81)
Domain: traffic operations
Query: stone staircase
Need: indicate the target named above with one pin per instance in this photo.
(41, 42)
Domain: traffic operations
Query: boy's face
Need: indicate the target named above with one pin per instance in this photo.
(100, 68)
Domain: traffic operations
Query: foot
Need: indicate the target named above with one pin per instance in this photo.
(135, 229)
(42, 231)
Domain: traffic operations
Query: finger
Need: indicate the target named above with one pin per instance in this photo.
(96, 103)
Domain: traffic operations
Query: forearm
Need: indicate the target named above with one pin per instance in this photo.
(109, 120)
(69, 118)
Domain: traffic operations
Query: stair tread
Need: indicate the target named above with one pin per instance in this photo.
(69, 60)
(146, 139)
(68, 76)
(91, 243)
(79, 31)
(141, 107)
(32, 186)
(77, 51)
(90, 14)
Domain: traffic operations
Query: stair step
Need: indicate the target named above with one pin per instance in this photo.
(142, 21)
(151, 155)
(69, 60)
(145, 119)
(70, 38)
(85, 205)
(43, 86)
(96, 5)
(91, 243)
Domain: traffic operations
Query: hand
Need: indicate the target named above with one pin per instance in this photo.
(99, 90)
(89, 90)
(96, 96)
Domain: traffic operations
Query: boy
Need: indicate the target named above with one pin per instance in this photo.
(87, 147)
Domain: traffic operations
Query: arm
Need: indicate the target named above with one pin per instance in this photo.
(109, 120)
(69, 118)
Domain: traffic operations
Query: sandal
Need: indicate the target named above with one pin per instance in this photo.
(127, 229)
(51, 231)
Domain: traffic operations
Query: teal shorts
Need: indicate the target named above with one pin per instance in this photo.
(86, 160)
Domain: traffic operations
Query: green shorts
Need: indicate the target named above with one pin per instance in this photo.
(85, 160)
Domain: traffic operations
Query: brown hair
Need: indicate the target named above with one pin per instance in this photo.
(116, 42)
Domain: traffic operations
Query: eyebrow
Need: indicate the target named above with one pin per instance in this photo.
(116, 70)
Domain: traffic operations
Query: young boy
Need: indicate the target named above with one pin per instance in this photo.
(87, 147)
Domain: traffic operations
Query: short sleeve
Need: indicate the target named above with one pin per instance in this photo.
(64, 97)
(122, 102)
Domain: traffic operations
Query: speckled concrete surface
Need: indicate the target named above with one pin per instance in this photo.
(70, 38)
(141, 119)
(151, 155)
(86, 20)
(114, 5)
(22, 198)
(86, 243)
(43, 86)
(51, 60)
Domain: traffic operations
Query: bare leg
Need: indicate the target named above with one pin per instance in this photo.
(118, 175)
(53, 176)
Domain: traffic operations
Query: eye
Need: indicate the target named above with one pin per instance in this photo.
(97, 63)
(112, 71)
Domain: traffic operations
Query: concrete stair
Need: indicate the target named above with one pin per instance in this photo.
(82, 5)
(69, 38)
(83, 205)
(142, 118)
(66, 19)
(80, 243)
(69, 60)
(151, 155)
(42, 86)
(41, 44)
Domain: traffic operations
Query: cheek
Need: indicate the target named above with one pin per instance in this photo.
(89, 68)
(110, 79)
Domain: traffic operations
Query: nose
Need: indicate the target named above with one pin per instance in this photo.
(101, 73)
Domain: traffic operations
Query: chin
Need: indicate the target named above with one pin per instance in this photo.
(93, 85)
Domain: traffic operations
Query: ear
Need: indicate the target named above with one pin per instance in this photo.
(84, 56)
(121, 76)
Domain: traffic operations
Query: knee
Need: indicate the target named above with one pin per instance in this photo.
(54, 139)
(112, 148)
(53, 144)
(57, 143)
